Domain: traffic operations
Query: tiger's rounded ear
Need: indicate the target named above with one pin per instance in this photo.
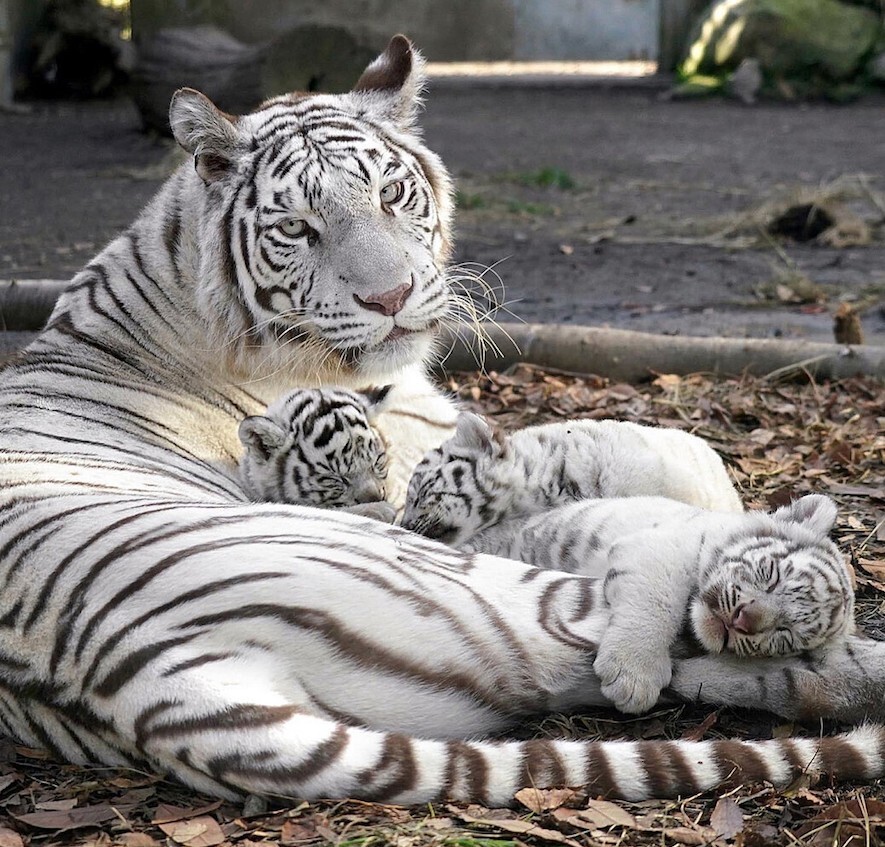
(813, 511)
(261, 436)
(474, 433)
(376, 397)
(393, 83)
(202, 129)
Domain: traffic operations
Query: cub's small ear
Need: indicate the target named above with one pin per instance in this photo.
(813, 511)
(474, 433)
(261, 436)
(206, 132)
(394, 81)
(376, 397)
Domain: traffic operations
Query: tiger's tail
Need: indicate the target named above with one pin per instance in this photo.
(278, 751)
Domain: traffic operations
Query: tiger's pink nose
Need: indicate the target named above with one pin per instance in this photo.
(388, 303)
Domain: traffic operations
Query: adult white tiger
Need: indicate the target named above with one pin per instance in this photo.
(149, 613)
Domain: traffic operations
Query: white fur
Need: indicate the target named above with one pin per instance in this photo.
(660, 557)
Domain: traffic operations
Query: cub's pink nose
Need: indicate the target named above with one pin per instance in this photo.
(388, 303)
(743, 621)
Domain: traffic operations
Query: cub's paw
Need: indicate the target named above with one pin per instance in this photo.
(380, 511)
(631, 678)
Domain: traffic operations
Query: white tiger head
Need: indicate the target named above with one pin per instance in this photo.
(454, 491)
(777, 588)
(325, 224)
(316, 447)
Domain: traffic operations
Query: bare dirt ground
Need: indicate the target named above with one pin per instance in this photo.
(595, 206)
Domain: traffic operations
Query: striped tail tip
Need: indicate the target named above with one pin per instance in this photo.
(643, 770)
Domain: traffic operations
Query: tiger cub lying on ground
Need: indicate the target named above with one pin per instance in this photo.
(319, 447)
(755, 584)
(479, 477)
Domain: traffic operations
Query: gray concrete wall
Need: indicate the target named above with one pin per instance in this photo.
(586, 29)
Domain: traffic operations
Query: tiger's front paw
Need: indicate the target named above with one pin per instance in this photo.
(380, 511)
(631, 678)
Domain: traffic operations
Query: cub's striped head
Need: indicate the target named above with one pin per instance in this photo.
(777, 588)
(316, 447)
(451, 494)
(324, 225)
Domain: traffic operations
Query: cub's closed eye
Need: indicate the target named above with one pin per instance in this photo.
(392, 192)
(294, 227)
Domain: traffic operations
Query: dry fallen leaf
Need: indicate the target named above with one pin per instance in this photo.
(10, 838)
(876, 569)
(136, 839)
(61, 820)
(56, 805)
(698, 732)
(543, 799)
(520, 827)
(846, 824)
(294, 831)
(194, 832)
(692, 837)
(602, 814)
(727, 818)
(167, 814)
(31, 753)
(667, 381)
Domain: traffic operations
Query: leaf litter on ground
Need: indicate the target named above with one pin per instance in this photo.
(779, 440)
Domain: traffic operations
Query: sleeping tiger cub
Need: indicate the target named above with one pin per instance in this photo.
(478, 477)
(754, 584)
(319, 447)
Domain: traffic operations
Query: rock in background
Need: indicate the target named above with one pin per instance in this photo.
(238, 76)
(802, 47)
(202, 57)
(314, 57)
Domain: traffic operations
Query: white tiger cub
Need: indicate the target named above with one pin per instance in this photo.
(319, 447)
(754, 584)
(479, 477)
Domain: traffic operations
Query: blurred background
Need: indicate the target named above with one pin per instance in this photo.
(673, 166)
